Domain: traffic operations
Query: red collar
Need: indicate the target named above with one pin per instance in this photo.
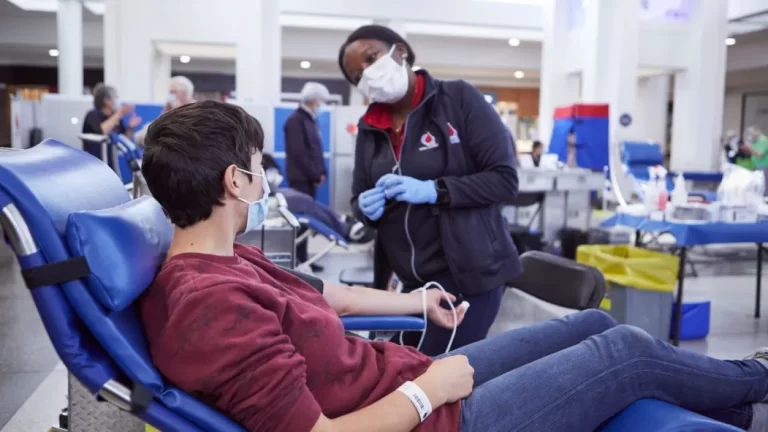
(379, 116)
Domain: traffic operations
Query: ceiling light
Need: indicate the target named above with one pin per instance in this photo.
(514, 42)
(53, 52)
(415, 68)
(305, 64)
(519, 74)
(730, 41)
(74, 120)
(185, 59)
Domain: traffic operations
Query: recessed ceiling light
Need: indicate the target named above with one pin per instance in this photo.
(185, 59)
(519, 74)
(730, 41)
(305, 64)
(74, 120)
(514, 42)
(53, 52)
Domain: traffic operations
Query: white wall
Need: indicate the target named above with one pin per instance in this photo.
(741, 8)
(653, 95)
(732, 112)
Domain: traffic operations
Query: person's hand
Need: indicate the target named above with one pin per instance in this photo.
(436, 313)
(408, 189)
(447, 380)
(134, 121)
(371, 203)
(126, 109)
(321, 181)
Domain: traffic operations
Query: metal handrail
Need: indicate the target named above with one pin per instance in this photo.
(17, 230)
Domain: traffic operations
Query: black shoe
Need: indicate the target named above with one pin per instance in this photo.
(316, 268)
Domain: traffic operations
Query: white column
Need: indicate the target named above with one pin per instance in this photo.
(111, 41)
(69, 26)
(697, 118)
(610, 51)
(258, 70)
(355, 97)
(128, 54)
(161, 75)
(557, 86)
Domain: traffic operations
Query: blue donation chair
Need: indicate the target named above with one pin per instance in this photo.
(87, 252)
(637, 157)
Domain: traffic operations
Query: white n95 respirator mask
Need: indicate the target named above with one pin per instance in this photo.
(257, 210)
(385, 81)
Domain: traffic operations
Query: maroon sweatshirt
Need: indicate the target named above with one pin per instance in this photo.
(265, 347)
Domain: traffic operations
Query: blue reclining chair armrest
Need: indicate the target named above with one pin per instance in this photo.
(322, 229)
(654, 415)
(366, 323)
(383, 323)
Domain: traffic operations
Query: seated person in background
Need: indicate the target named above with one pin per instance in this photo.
(106, 117)
(180, 92)
(536, 151)
(300, 203)
(268, 349)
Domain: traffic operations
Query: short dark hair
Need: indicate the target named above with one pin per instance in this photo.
(537, 144)
(188, 149)
(379, 33)
(101, 93)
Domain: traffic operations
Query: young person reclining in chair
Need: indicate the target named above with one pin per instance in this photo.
(269, 350)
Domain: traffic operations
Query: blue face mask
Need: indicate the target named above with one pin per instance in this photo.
(257, 210)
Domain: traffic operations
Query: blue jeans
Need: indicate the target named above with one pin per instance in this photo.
(577, 372)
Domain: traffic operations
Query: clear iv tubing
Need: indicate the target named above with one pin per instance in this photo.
(423, 291)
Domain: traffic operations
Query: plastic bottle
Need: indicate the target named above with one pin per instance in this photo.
(679, 193)
(651, 198)
(662, 195)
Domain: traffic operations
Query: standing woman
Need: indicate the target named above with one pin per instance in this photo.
(433, 165)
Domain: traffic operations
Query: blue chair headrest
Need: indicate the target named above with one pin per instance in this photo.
(123, 245)
(641, 153)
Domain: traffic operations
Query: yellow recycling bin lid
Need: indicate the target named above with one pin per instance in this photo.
(632, 266)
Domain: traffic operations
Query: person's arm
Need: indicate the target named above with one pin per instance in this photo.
(360, 301)
(759, 148)
(490, 145)
(111, 123)
(360, 183)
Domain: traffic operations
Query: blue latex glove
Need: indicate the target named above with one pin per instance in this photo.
(408, 189)
(371, 203)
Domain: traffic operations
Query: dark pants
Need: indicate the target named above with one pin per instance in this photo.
(308, 188)
(478, 320)
(304, 187)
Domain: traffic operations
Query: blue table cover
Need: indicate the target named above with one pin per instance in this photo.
(694, 234)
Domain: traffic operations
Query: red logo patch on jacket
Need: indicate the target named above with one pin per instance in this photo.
(453, 135)
(428, 142)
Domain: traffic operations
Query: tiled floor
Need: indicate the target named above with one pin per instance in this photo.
(33, 387)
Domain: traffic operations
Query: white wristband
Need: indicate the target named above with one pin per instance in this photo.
(418, 398)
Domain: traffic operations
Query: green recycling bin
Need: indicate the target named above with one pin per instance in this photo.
(640, 284)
